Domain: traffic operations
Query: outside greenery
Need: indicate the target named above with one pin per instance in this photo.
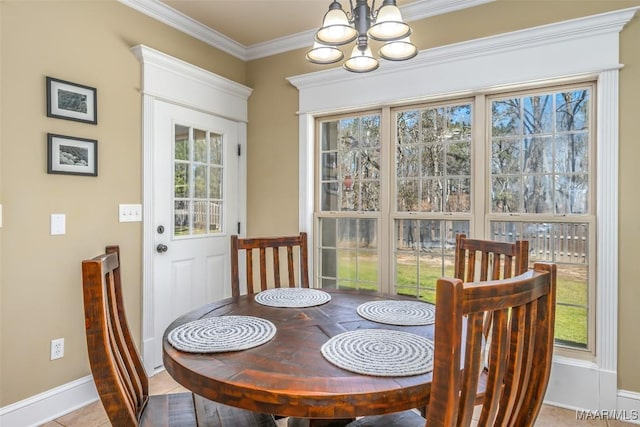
(571, 321)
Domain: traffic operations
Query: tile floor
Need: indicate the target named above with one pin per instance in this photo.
(93, 415)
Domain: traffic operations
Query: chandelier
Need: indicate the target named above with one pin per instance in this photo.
(361, 24)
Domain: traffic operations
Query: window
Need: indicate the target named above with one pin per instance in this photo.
(349, 199)
(432, 184)
(541, 171)
(523, 170)
(198, 172)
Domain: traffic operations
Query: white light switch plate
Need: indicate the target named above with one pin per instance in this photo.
(130, 213)
(58, 224)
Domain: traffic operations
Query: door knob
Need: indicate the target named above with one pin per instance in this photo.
(161, 248)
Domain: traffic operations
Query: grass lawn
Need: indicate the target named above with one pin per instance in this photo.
(571, 307)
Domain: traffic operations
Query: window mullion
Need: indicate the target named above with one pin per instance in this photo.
(387, 196)
(481, 143)
(192, 180)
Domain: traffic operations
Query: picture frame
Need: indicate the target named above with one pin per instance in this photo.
(70, 155)
(71, 101)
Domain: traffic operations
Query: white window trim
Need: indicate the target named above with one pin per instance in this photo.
(504, 61)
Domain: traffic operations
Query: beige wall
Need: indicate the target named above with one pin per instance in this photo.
(273, 133)
(88, 42)
(629, 176)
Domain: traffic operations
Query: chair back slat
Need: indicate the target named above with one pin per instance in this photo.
(474, 340)
(497, 362)
(276, 271)
(263, 245)
(519, 364)
(263, 268)
(512, 396)
(115, 362)
(290, 268)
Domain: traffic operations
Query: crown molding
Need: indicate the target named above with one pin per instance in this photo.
(422, 9)
(157, 10)
(168, 15)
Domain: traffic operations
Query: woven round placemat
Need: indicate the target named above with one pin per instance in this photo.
(292, 297)
(380, 352)
(224, 333)
(403, 313)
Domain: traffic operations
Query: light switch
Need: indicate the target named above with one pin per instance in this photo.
(130, 213)
(58, 226)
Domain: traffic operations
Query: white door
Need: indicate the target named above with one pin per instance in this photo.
(195, 209)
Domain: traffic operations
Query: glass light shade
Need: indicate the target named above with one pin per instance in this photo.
(322, 54)
(389, 25)
(361, 62)
(336, 29)
(399, 50)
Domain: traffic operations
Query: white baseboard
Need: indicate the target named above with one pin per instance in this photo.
(581, 386)
(49, 405)
(574, 384)
(629, 402)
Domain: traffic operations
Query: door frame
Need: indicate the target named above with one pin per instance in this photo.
(172, 80)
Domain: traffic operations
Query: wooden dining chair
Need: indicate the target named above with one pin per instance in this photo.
(495, 260)
(520, 358)
(117, 369)
(264, 245)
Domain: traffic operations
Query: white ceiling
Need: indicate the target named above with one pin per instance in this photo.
(250, 29)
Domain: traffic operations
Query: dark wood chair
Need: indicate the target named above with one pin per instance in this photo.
(117, 369)
(496, 260)
(263, 245)
(520, 357)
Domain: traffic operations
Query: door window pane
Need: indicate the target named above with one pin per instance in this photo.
(182, 146)
(181, 209)
(182, 179)
(200, 146)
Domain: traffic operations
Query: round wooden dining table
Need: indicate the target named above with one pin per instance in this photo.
(288, 375)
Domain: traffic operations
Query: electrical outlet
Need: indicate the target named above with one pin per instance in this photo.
(57, 348)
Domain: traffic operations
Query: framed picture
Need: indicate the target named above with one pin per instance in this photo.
(72, 156)
(71, 101)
